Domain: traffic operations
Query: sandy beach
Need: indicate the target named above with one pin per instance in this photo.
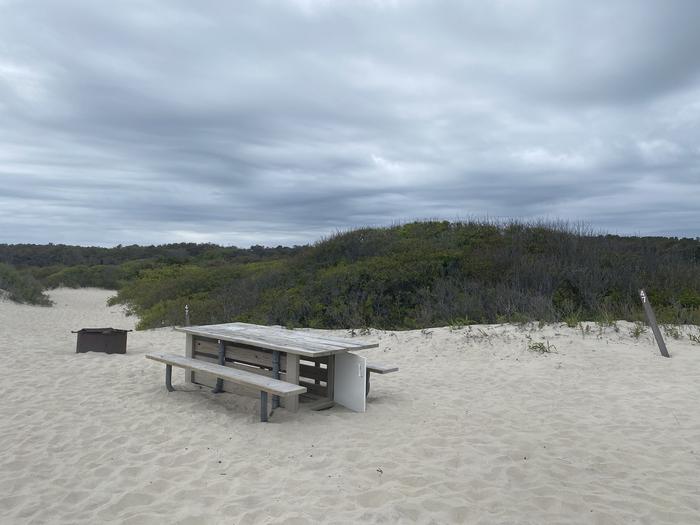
(474, 428)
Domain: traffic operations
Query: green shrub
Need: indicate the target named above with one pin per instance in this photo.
(689, 299)
(22, 287)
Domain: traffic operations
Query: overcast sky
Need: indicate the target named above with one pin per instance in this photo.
(277, 122)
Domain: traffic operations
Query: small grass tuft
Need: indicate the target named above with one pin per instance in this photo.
(459, 323)
(585, 330)
(638, 330)
(604, 323)
(672, 331)
(572, 320)
(541, 347)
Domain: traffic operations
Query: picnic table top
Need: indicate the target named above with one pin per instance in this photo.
(278, 338)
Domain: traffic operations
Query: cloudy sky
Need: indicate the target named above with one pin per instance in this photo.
(277, 122)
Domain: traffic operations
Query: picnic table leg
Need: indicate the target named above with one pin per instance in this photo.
(330, 379)
(275, 375)
(263, 406)
(367, 373)
(169, 378)
(292, 402)
(222, 361)
(189, 352)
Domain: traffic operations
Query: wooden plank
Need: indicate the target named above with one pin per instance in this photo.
(292, 403)
(277, 338)
(254, 356)
(651, 320)
(247, 352)
(210, 381)
(299, 335)
(378, 368)
(273, 386)
(207, 350)
(205, 379)
(319, 374)
(231, 387)
(320, 390)
(240, 366)
(319, 359)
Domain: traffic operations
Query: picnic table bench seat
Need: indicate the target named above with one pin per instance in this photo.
(378, 368)
(264, 384)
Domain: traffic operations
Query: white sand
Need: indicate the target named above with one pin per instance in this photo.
(473, 429)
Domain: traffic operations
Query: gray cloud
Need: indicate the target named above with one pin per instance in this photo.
(279, 122)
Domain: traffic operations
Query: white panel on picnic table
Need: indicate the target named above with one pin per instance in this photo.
(350, 382)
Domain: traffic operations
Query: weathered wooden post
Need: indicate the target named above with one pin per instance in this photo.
(187, 315)
(651, 320)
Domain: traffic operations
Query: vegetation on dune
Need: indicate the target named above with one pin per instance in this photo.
(406, 276)
(65, 256)
(57, 265)
(21, 287)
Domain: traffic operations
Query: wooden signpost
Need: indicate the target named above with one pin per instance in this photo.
(651, 320)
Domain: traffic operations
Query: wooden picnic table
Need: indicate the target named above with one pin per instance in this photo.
(297, 357)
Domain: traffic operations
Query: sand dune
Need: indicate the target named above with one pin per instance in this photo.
(475, 428)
